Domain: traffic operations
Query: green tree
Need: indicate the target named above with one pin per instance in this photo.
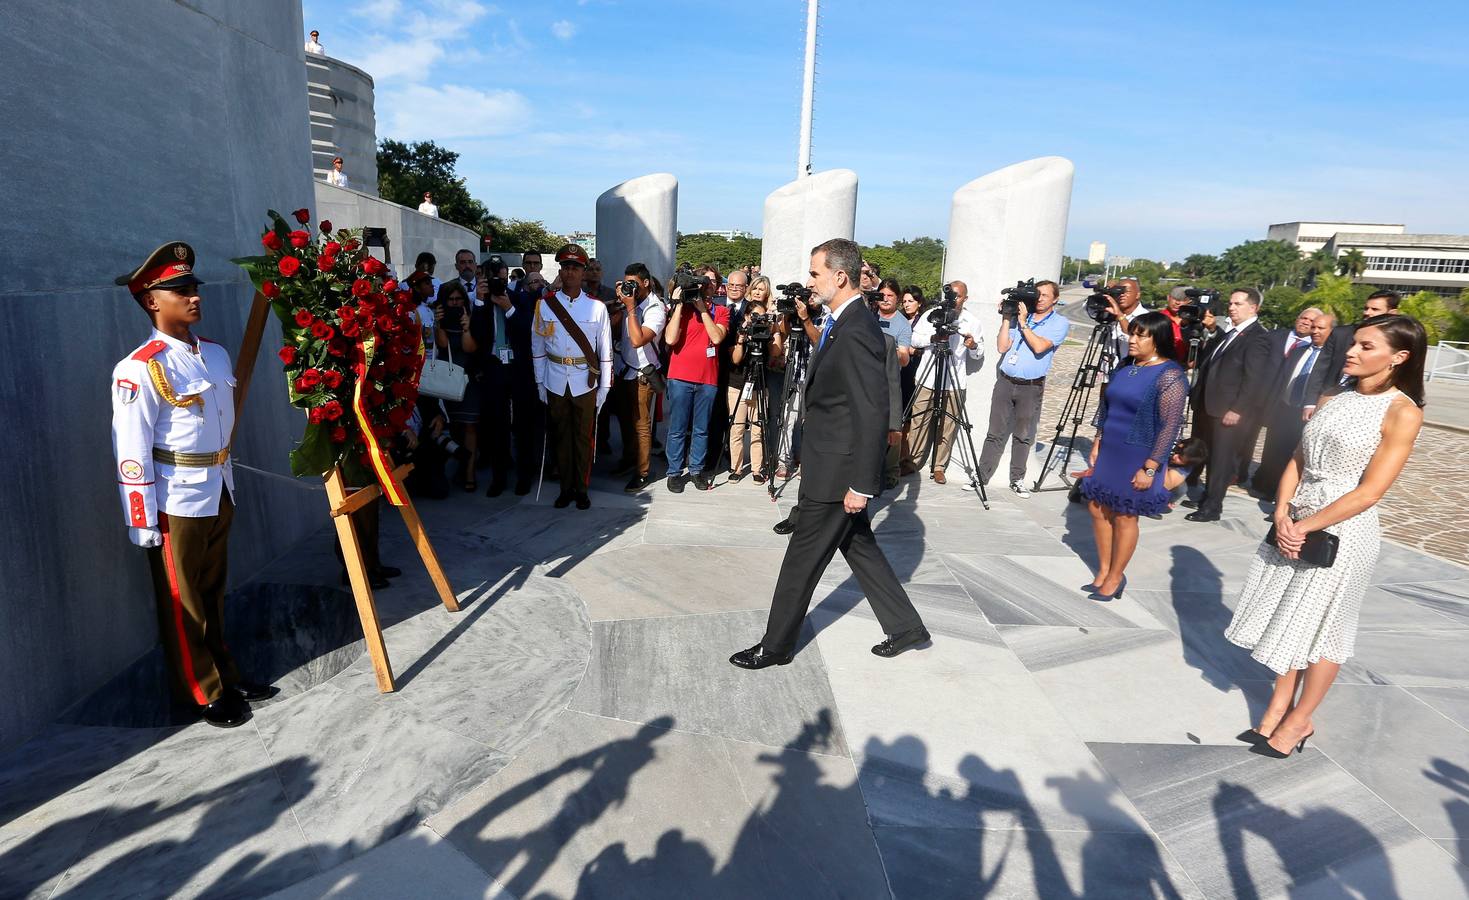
(717, 251)
(1352, 263)
(1320, 261)
(1281, 305)
(1431, 310)
(405, 171)
(918, 261)
(521, 235)
(1262, 264)
(1335, 294)
(1197, 265)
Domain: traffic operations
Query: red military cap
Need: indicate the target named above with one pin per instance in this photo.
(571, 252)
(170, 266)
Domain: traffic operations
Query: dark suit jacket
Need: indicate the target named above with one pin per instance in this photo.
(845, 434)
(1236, 377)
(1326, 374)
(1279, 394)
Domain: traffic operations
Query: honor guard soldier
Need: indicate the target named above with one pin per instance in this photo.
(173, 411)
(571, 349)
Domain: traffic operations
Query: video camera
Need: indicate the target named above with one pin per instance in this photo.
(758, 330)
(1202, 297)
(1191, 315)
(1012, 297)
(944, 317)
(691, 285)
(1099, 304)
(790, 295)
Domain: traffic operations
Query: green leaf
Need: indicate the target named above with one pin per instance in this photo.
(313, 456)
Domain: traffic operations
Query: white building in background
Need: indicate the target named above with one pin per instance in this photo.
(727, 235)
(586, 239)
(1409, 263)
(1312, 236)
(1097, 253)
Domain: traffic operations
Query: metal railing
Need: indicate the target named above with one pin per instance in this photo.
(1449, 361)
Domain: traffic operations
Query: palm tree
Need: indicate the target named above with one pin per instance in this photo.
(1319, 262)
(1352, 263)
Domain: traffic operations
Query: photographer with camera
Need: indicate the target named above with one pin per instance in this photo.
(948, 323)
(757, 342)
(458, 332)
(639, 378)
(801, 311)
(693, 334)
(1030, 332)
(898, 335)
(1124, 302)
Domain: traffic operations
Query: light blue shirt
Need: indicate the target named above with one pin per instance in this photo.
(1022, 362)
(898, 327)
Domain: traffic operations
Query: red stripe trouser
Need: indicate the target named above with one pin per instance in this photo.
(189, 575)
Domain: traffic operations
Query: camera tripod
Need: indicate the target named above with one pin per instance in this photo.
(756, 389)
(937, 410)
(798, 359)
(1098, 359)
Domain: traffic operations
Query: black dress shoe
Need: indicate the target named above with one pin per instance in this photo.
(563, 501)
(784, 526)
(388, 571)
(497, 487)
(522, 488)
(251, 692)
(1203, 515)
(583, 501)
(903, 641)
(757, 657)
(702, 482)
(229, 711)
(637, 483)
(737, 477)
(1190, 504)
(675, 484)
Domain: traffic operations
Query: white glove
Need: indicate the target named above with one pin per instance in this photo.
(541, 392)
(148, 536)
(601, 398)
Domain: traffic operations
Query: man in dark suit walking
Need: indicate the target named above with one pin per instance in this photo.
(841, 469)
(1232, 380)
(1326, 377)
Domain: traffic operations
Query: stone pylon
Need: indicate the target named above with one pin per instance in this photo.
(1006, 226)
(802, 214)
(637, 221)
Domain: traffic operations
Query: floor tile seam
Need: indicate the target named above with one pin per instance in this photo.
(101, 820)
(1381, 799)
(464, 857)
(1430, 706)
(711, 734)
(285, 794)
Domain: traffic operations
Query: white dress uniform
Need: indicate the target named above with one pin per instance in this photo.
(559, 364)
(192, 411)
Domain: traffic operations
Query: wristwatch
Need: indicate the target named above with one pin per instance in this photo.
(1150, 471)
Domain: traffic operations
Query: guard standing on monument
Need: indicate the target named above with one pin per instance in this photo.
(571, 348)
(173, 411)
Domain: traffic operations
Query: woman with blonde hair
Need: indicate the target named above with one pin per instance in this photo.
(745, 414)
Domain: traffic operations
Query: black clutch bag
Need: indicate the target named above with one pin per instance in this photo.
(1318, 550)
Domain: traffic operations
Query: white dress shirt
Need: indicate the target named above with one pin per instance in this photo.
(548, 338)
(428, 209)
(314, 47)
(336, 178)
(959, 361)
(142, 420)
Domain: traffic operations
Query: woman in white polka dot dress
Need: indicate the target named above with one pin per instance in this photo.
(1296, 616)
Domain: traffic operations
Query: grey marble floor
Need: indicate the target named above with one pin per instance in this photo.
(576, 731)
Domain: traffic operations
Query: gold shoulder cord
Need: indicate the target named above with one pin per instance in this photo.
(165, 390)
(543, 328)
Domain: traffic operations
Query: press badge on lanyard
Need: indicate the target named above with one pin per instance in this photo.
(505, 354)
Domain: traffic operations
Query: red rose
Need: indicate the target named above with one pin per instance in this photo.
(350, 328)
(325, 262)
(270, 290)
(311, 378)
(332, 410)
(288, 354)
(303, 215)
(331, 248)
(315, 415)
(404, 390)
(339, 435)
(288, 266)
(399, 416)
(373, 266)
(326, 226)
(361, 287)
(321, 331)
(351, 245)
(299, 239)
(271, 241)
(304, 317)
(332, 378)
(390, 286)
(336, 347)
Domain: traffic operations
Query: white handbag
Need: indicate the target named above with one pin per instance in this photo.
(441, 378)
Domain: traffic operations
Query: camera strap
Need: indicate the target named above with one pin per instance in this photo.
(594, 365)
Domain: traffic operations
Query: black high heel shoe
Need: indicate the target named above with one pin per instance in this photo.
(1263, 748)
(1251, 736)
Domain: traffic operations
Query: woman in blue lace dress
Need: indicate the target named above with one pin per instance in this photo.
(1141, 415)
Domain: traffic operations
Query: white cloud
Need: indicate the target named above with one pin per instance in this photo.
(381, 11)
(563, 29)
(424, 112)
(415, 40)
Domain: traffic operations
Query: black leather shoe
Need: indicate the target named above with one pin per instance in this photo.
(784, 526)
(703, 483)
(675, 484)
(1202, 515)
(389, 571)
(637, 483)
(522, 488)
(583, 501)
(900, 642)
(757, 657)
(229, 711)
(1190, 504)
(251, 692)
(563, 501)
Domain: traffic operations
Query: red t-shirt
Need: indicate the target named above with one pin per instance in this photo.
(696, 358)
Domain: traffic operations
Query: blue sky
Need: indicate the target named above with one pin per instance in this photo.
(1192, 125)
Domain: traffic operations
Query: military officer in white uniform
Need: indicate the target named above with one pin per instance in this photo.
(573, 372)
(173, 412)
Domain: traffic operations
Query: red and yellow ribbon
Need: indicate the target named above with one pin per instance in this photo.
(382, 465)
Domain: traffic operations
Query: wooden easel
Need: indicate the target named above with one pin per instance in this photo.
(342, 503)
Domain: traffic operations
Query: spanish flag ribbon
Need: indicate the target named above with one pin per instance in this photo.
(382, 465)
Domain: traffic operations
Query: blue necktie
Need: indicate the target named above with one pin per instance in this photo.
(826, 330)
(1298, 388)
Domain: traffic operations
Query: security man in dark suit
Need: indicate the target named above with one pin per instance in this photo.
(1233, 377)
(1326, 377)
(511, 408)
(1284, 403)
(846, 432)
